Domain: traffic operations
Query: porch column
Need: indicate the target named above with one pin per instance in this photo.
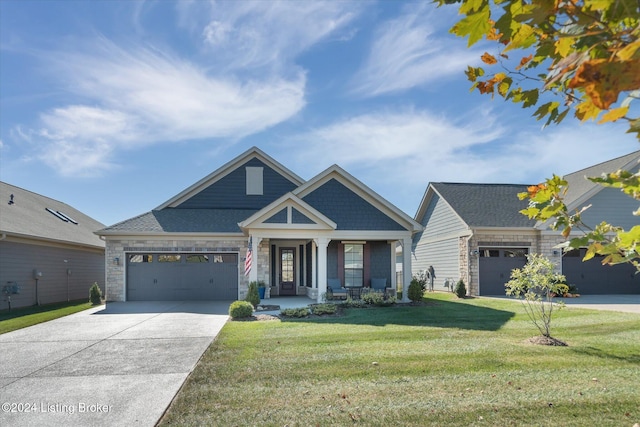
(314, 267)
(253, 274)
(322, 243)
(406, 267)
(392, 279)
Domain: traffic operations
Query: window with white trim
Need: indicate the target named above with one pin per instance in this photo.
(353, 265)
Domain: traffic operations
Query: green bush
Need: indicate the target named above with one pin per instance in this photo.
(95, 294)
(320, 309)
(295, 312)
(416, 289)
(460, 290)
(378, 299)
(353, 303)
(252, 294)
(239, 309)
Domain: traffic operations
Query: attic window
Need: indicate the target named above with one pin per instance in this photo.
(254, 181)
(62, 216)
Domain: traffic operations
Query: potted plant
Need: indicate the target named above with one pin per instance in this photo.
(262, 289)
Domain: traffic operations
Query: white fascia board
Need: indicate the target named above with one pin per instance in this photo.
(285, 201)
(362, 190)
(226, 169)
(506, 230)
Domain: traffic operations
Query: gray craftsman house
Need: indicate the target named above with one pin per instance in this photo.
(48, 250)
(475, 232)
(302, 234)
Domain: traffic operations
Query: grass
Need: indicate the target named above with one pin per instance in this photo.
(451, 362)
(19, 318)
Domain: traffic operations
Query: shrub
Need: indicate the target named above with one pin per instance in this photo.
(354, 303)
(460, 290)
(252, 295)
(295, 312)
(374, 298)
(320, 309)
(95, 294)
(239, 309)
(416, 289)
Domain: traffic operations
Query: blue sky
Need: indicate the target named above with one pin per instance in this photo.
(115, 106)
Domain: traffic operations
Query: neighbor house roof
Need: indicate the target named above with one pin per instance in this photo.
(182, 221)
(31, 215)
(581, 189)
(486, 205)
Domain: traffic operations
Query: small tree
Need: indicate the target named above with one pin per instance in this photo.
(417, 287)
(95, 294)
(252, 295)
(460, 290)
(536, 284)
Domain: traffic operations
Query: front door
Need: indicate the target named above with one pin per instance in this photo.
(287, 271)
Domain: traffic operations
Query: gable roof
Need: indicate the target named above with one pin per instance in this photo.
(355, 185)
(218, 174)
(289, 200)
(28, 217)
(581, 189)
(187, 221)
(482, 205)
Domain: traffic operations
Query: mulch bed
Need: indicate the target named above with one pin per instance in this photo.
(542, 340)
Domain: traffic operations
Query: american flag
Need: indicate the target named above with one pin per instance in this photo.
(249, 259)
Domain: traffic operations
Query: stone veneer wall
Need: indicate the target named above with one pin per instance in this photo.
(117, 248)
(463, 262)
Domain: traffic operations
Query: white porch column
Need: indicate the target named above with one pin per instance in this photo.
(253, 274)
(406, 267)
(314, 267)
(322, 243)
(393, 283)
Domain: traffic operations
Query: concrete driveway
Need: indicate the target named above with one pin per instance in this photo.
(624, 303)
(119, 365)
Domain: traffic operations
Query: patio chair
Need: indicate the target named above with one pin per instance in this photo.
(335, 289)
(380, 285)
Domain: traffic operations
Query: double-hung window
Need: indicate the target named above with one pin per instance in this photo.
(353, 265)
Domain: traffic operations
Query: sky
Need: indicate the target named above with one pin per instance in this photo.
(114, 107)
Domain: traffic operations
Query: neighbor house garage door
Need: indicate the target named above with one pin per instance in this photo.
(182, 277)
(591, 277)
(496, 265)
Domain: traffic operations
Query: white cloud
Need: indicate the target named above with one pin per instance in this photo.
(272, 33)
(406, 53)
(399, 153)
(142, 96)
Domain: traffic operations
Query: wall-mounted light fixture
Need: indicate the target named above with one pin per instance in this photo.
(116, 261)
(555, 252)
(474, 252)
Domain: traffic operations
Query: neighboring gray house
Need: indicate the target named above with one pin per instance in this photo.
(475, 232)
(302, 233)
(48, 250)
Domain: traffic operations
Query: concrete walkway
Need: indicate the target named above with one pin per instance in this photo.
(119, 365)
(623, 303)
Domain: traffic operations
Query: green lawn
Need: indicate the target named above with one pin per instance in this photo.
(451, 362)
(19, 318)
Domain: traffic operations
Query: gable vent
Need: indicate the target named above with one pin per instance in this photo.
(62, 216)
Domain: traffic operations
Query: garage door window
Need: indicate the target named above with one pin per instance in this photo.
(196, 258)
(169, 258)
(515, 253)
(226, 258)
(489, 253)
(136, 258)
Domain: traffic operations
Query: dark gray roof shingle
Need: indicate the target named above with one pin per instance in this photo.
(486, 205)
(27, 216)
(172, 220)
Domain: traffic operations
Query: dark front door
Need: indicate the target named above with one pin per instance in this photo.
(287, 271)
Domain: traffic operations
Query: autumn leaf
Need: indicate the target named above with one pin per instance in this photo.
(614, 115)
(603, 80)
(524, 61)
(489, 59)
